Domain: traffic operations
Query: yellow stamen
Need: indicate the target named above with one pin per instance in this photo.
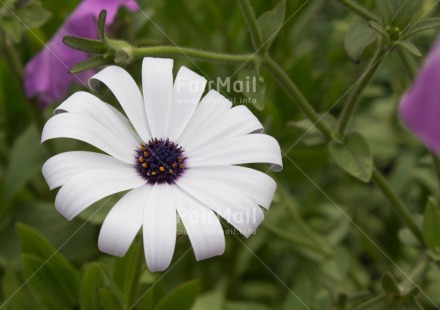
(179, 159)
(153, 173)
(170, 171)
(144, 165)
(161, 169)
(174, 166)
(141, 159)
(181, 166)
(146, 154)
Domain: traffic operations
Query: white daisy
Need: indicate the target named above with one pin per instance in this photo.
(171, 152)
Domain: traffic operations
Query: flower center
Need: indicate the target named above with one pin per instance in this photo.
(160, 161)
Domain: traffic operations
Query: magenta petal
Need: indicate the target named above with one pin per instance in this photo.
(420, 106)
(47, 74)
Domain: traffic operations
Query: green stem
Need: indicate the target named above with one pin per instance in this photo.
(398, 205)
(251, 21)
(359, 88)
(360, 10)
(287, 84)
(140, 52)
(416, 272)
(136, 274)
(298, 98)
(292, 238)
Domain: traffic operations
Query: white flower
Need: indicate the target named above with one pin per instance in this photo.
(172, 152)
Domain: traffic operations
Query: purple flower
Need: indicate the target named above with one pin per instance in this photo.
(47, 74)
(420, 106)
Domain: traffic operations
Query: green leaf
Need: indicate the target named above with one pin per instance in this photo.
(33, 15)
(15, 295)
(45, 283)
(310, 134)
(147, 301)
(377, 303)
(405, 13)
(90, 63)
(26, 159)
(409, 47)
(252, 87)
(426, 24)
(108, 300)
(182, 297)
(85, 45)
(431, 225)
(55, 265)
(101, 25)
(212, 300)
(354, 156)
(385, 11)
(271, 22)
(123, 270)
(12, 27)
(358, 37)
(389, 284)
(91, 281)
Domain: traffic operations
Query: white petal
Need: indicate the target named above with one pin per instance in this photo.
(75, 126)
(226, 201)
(252, 148)
(128, 94)
(255, 184)
(234, 122)
(90, 106)
(90, 186)
(123, 222)
(187, 90)
(58, 169)
(213, 105)
(157, 85)
(159, 227)
(202, 226)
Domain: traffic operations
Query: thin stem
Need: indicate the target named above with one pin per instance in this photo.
(292, 238)
(416, 272)
(360, 10)
(397, 204)
(136, 273)
(359, 88)
(298, 98)
(251, 21)
(140, 52)
(287, 84)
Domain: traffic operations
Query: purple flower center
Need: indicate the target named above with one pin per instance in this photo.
(160, 161)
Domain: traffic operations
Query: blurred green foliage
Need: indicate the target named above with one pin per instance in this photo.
(328, 242)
